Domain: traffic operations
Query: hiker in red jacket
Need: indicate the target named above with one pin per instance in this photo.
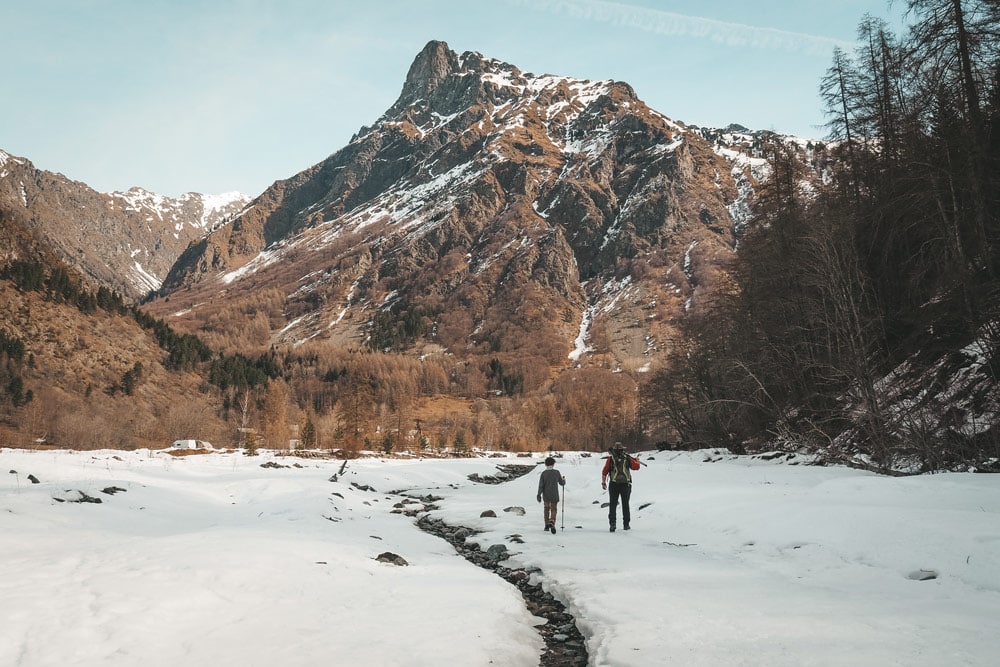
(619, 466)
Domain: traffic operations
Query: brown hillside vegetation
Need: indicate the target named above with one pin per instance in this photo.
(98, 380)
(440, 403)
(75, 365)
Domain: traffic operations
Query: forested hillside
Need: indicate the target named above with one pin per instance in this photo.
(863, 319)
(82, 368)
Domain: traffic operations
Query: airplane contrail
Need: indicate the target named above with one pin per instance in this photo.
(682, 25)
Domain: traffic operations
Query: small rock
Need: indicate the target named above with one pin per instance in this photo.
(488, 513)
(391, 558)
(497, 552)
(519, 511)
(33, 479)
(922, 575)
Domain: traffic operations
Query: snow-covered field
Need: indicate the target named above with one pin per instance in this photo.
(213, 560)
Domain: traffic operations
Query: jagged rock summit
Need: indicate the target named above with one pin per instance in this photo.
(429, 69)
(489, 211)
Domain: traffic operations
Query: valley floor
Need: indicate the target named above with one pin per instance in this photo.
(222, 559)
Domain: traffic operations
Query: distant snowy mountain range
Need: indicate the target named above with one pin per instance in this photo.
(123, 240)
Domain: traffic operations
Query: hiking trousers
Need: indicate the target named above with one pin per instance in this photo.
(551, 509)
(618, 490)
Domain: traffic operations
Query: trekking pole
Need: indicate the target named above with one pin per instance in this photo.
(563, 526)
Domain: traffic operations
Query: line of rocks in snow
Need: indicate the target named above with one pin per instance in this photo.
(75, 495)
(505, 473)
(564, 645)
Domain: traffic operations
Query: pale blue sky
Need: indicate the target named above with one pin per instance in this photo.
(211, 96)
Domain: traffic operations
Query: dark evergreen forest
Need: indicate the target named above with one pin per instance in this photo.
(853, 310)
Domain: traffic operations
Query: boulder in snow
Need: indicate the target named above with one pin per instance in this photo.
(391, 558)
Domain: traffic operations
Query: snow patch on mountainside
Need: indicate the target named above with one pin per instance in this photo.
(138, 200)
(265, 258)
(637, 197)
(144, 280)
(605, 302)
(580, 346)
(6, 157)
(740, 209)
(529, 90)
(214, 203)
(347, 304)
(593, 146)
(169, 208)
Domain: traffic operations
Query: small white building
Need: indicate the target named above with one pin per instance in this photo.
(190, 444)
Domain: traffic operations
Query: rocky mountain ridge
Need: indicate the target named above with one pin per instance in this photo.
(489, 211)
(126, 241)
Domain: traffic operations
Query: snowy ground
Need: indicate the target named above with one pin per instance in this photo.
(213, 560)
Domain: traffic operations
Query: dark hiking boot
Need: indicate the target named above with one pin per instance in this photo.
(553, 529)
(547, 526)
(612, 528)
(625, 527)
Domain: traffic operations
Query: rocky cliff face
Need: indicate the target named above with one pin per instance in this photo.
(123, 240)
(488, 211)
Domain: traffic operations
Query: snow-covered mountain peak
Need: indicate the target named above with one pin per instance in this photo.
(490, 191)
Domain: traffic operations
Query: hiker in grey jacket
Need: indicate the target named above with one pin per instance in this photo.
(548, 490)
